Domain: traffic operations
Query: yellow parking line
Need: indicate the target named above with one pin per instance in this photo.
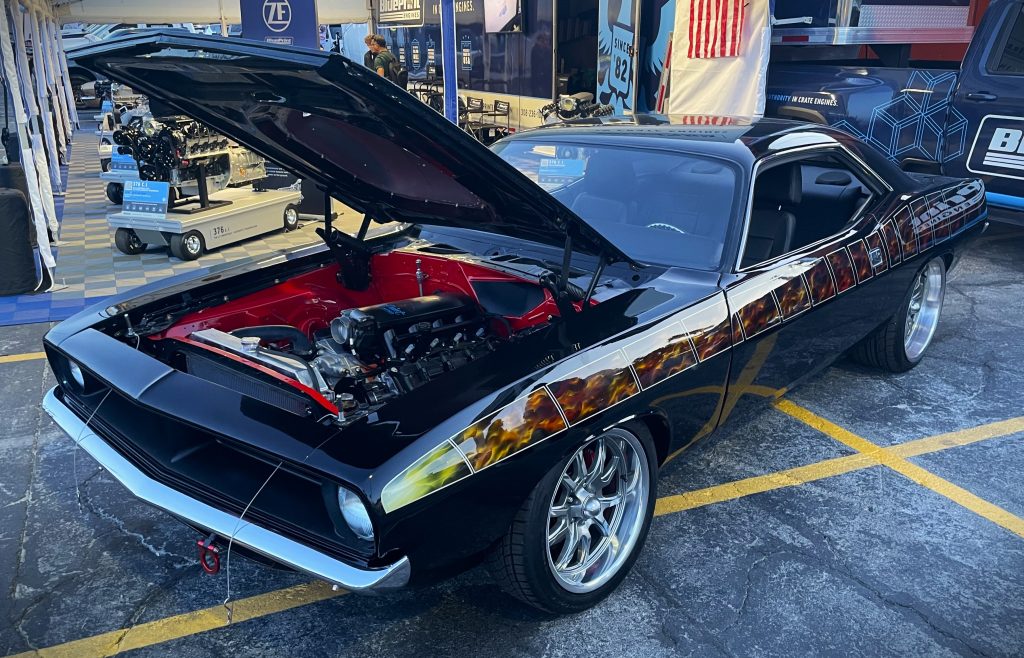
(925, 478)
(192, 623)
(29, 356)
(831, 467)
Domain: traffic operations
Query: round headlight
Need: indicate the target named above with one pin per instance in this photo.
(76, 374)
(355, 514)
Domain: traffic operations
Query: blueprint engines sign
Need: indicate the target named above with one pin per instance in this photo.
(400, 13)
(282, 22)
(998, 148)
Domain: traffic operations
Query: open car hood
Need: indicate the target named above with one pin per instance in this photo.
(375, 147)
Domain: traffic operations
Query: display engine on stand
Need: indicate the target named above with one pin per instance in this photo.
(198, 165)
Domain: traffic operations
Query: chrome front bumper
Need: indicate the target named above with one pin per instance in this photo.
(270, 544)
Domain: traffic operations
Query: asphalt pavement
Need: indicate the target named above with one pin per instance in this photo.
(864, 514)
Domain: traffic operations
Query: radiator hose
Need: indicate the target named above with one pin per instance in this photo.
(301, 345)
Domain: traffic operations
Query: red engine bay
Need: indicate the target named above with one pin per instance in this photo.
(310, 301)
(347, 351)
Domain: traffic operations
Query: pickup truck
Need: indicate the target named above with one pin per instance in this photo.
(966, 122)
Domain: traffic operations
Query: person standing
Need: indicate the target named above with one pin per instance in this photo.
(369, 55)
(383, 58)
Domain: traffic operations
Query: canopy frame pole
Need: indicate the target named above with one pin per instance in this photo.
(53, 75)
(35, 74)
(62, 57)
(448, 76)
(43, 172)
(25, 139)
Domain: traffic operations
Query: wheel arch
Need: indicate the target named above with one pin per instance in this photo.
(656, 424)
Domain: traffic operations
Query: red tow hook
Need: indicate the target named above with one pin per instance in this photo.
(209, 555)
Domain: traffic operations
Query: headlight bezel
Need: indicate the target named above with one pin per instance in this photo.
(355, 514)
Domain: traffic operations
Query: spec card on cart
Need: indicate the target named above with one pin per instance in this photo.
(145, 199)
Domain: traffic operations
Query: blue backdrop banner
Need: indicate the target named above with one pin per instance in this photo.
(283, 22)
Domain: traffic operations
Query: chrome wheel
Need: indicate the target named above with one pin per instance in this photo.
(291, 218)
(597, 510)
(924, 309)
(193, 244)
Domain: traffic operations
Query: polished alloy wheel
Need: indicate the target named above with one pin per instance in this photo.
(924, 308)
(597, 511)
(193, 244)
(291, 218)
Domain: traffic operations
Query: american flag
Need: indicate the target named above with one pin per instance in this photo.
(716, 28)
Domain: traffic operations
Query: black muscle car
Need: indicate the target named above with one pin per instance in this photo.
(502, 366)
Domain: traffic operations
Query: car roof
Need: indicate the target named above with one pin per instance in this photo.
(741, 139)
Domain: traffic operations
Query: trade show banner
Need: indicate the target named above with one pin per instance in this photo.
(719, 58)
(616, 54)
(282, 22)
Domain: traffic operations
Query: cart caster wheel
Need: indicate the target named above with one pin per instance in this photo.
(291, 217)
(188, 246)
(115, 192)
(105, 164)
(128, 242)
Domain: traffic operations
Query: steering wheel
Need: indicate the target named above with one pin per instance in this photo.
(668, 226)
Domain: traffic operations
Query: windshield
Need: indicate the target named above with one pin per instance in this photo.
(664, 207)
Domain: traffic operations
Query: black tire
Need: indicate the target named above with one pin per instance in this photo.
(115, 193)
(105, 164)
(188, 246)
(291, 217)
(127, 242)
(886, 348)
(520, 561)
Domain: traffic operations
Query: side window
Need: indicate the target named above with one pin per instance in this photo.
(799, 202)
(1010, 60)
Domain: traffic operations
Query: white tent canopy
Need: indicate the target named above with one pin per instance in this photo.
(191, 11)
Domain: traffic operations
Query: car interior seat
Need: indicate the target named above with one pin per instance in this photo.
(695, 198)
(607, 191)
(777, 193)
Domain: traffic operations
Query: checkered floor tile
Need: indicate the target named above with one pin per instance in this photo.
(90, 268)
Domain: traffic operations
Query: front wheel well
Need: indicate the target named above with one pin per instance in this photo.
(657, 427)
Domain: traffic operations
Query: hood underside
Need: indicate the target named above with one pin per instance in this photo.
(370, 144)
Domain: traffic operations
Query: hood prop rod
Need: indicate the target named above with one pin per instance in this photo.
(601, 260)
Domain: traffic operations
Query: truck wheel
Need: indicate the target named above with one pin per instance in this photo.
(900, 343)
(579, 532)
(188, 246)
(291, 217)
(128, 242)
(115, 192)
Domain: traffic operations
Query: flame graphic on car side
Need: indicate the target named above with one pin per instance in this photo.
(660, 355)
(591, 389)
(819, 279)
(793, 297)
(842, 267)
(435, 470)
(528, 420)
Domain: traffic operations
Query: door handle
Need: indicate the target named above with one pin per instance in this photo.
(981, 96)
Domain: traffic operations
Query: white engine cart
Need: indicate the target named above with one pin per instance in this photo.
(226, 217)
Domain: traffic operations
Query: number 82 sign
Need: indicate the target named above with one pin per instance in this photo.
(621, 73)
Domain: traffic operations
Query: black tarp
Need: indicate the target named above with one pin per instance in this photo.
(17, 265)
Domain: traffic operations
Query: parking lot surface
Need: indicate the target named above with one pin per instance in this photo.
(859, 514)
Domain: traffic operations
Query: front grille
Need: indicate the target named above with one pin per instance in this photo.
(226, 375)
(224, 475)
